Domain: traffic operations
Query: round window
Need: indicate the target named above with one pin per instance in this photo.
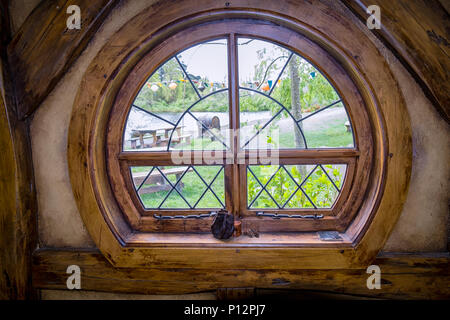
(258, 121)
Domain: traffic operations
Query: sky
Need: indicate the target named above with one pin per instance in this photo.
(210, 59)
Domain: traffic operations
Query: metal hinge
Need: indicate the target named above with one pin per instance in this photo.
(192, 216)
(293, 216)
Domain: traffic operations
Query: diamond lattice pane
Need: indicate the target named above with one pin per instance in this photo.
(336, 172)
(262, 176)
(281, 186)
(320, 189)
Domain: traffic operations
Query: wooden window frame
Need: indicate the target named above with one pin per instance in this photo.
(358, 159)
(125, 246)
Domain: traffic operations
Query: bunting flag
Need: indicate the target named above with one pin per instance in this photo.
(202, 85)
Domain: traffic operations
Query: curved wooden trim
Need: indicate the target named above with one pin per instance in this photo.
(350, 198)
(417, 34)
(369, 72)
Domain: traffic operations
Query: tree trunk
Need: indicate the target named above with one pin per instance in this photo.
(296, 108)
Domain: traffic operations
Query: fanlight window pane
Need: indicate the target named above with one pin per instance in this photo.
(294, 186)
(270, 129)
(260, 62)
(179, 187)
(290, 99)
(186, 91)
(329, 129)
(205, 125)
(206, 65)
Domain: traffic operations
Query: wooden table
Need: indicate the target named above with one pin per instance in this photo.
(156, 138)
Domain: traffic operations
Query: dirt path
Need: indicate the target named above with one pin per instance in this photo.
(318, 121)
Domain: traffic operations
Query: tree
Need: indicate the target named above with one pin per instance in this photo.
(296, 107)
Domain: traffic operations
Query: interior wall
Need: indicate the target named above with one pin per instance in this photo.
(421, 227)
(423, 224)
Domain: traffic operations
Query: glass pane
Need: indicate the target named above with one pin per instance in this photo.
(304, 85)
(196, 78)
(206, 65)
(179, 187)
(336, 172)
(205, 126)
(260, 62)
(328, 129)
(294, 186)
(258, 177)
(313, 115)
(320, 189)
(214, 197)
(273, 128)
(148, 132)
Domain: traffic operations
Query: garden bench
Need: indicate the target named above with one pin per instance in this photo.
(159, 138)
(177, 139)
(157, 181)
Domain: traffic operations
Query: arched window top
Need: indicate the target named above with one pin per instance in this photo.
(283, 99)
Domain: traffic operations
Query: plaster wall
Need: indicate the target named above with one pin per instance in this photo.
(421, 227)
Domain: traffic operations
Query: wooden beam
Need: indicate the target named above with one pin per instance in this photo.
(403, 276)
(417, 32)
(43, 49)
(17, 198)
(5, 26)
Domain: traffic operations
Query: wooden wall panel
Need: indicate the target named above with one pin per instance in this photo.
(17, 194)
(7, 206)
(43, 49)
(418, 33)
(17, 200)
(403, 277)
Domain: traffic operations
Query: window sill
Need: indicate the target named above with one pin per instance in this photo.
(264, 240)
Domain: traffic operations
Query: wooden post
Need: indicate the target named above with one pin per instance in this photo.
(17, 199)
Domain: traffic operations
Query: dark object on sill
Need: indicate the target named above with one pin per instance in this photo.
(329, 236)
(223, 225)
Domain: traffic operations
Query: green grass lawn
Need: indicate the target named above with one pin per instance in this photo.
(333, 134)
(193, 188)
